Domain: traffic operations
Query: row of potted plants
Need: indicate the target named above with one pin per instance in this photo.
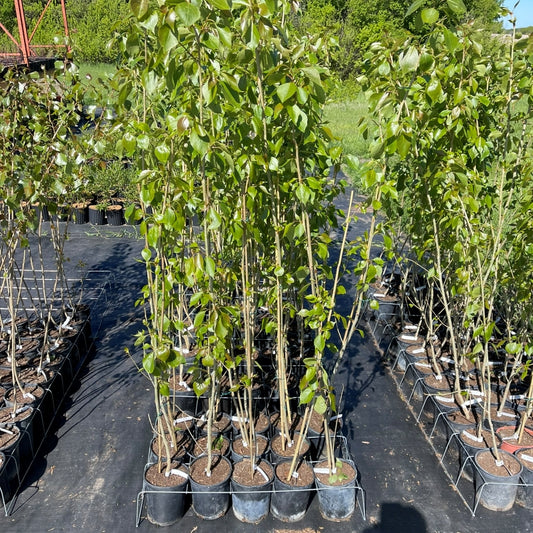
(453, 167)
(496, 422)
(34, 379)
(220, 112)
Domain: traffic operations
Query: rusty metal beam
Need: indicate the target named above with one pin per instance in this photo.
(24, 46)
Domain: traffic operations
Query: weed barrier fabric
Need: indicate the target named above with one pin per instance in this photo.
(90, 468)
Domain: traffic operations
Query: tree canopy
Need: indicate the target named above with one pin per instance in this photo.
(355, 24)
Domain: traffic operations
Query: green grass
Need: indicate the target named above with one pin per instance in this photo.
(343, 117)
(95, 77)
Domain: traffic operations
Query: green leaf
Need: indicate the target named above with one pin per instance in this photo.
(320, 343)
(320, 405)
(430, 15)
(198, 143)
(306, 395)
(452, 41)
(162, 152)
(457, 6)
(409, 59)
(139, 7)
(146, 254)
(188, 13)
(221, 4)
(210, 267)
(415, 6)
(285, 91)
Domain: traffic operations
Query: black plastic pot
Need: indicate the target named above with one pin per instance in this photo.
(80, 213)
(96, 216)
(251, 503)
(210, 502)
(5, 492)
(12, 467)
(289, 502)
(336, 502)
(165, 505)
(115, 215)
(261, 451)
(494, 492)
(24, 422)
(524, 495)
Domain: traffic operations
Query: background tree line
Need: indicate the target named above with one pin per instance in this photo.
(355, 24)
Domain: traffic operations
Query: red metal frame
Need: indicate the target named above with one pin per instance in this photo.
(26, 50)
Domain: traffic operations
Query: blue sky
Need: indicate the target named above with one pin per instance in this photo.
(523, 12)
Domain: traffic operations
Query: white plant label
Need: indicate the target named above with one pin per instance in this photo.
(423, 365)
(503, 413)
(419, 350)
(474, 392)
(295, 475)
(262, 472)
(411, 327)
(527, 458)
(180, 473)
(321, 470)
(5, 430)
(335, 417)
(472, 437)
(444, 399)
(29, 395)
(446, 360)
(409, 337)
(472, 402)
(517, 397)
(184, 385)
(511, 437)
(239, 419)
(183, 419)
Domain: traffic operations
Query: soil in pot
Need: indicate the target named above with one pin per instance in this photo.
(182, 393)
(261, 424)
(336, 490)
(433, 385)
(469, 445)
(179, 453)
(279, 454)
(524, 495)
(23, 419)
(251, 490)
(220, 446)
(287, 504)
(501, 418)
(184, 421)
(221, 425)
(31, 395)
(210, 493)
(508, 438)
(239, 451)
(165, 495)
(496, 485)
